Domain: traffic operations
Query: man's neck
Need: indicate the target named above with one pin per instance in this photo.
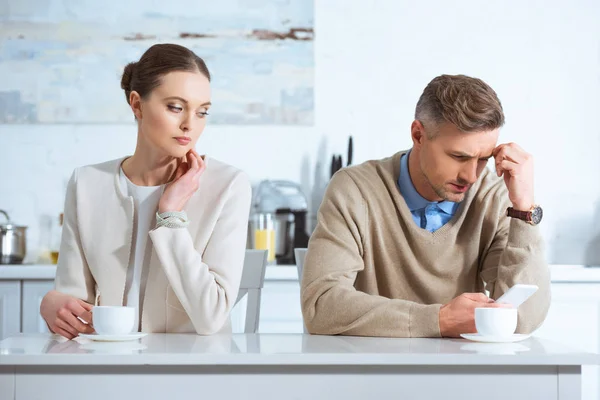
(419, 180)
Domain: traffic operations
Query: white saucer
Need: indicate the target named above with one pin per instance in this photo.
(494, 348)
(128, 347)
(113, 338)
(477, 337)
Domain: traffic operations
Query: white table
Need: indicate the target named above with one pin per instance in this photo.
(292, 366)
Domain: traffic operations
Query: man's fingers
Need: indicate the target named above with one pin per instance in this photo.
(506, 166)
(511, 152)
(493, 305)
(499, 305)
(478, 297)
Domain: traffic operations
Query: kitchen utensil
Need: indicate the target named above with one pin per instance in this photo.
(350, 151)
(12, 242)
(290, 227)
(333, 165)
(286, 205)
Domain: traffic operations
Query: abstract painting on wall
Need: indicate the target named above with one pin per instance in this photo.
(61, 61)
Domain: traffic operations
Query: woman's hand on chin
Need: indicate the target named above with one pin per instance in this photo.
(185, 184)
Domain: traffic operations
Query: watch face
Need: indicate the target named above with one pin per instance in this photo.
(536, 215)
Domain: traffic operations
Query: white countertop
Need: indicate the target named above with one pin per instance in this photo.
(559, 273)
(283, 349)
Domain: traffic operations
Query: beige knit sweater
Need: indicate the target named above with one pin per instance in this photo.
(371, 271)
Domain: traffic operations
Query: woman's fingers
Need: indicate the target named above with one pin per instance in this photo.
(61, 324)
(69, 317)
(63, 333)
(83, 310)
(201, 163)
(76, 323)
(181, 170)
(194, 161)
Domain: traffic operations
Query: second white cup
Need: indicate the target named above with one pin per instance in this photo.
(496, 321)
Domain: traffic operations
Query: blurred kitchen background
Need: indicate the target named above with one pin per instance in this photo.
(293, 81)
(296, 85)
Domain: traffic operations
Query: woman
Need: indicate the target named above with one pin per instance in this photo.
(163, 230)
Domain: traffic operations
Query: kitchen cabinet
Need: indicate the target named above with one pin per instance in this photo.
(33, 293)
(574, 320)
(280, 307)
(10, 308)
(280, 300)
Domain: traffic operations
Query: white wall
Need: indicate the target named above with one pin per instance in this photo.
(373, 59)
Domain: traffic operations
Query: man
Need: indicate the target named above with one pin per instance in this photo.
(407, 245)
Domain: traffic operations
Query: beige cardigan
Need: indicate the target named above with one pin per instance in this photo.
(371, 271)
(194, 273)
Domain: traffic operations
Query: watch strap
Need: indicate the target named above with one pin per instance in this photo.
(522, 215)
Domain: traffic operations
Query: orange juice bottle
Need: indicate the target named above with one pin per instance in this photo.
(264, 234)
(57, 236)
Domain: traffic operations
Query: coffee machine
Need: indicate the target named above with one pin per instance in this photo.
(285, 204)
(290, 233)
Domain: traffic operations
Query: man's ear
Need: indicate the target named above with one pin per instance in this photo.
(417, 133)
(135, 101)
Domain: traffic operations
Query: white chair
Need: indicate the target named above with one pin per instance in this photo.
(253, 278)
(300, 254)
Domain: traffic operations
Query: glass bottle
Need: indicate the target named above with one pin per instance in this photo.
(56, 238)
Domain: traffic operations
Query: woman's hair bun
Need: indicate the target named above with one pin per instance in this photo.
(127, 74)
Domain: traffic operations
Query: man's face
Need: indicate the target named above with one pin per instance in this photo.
(452, 160)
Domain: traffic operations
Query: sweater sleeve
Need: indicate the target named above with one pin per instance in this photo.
(516, 255)
(207, 284)
(73, 276)
(331, 305)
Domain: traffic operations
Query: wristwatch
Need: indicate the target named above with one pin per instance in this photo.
(533, 216)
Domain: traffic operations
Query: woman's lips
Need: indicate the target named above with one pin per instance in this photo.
(183, 140)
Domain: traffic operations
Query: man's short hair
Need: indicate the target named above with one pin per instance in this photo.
(469, 103)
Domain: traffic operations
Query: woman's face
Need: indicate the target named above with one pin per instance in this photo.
(173, 116)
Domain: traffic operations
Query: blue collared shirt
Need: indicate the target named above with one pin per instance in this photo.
(430, 215)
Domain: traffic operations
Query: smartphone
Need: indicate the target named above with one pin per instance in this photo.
(517, 294)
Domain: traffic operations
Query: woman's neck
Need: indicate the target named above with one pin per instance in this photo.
(148, 168)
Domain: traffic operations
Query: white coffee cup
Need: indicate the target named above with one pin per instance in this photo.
(496, 321)
(113, 320)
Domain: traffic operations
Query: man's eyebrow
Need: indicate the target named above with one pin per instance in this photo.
(467, 155)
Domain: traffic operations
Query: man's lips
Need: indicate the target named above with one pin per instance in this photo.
(460, 188)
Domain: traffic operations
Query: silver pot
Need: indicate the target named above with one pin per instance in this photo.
(12, 242)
